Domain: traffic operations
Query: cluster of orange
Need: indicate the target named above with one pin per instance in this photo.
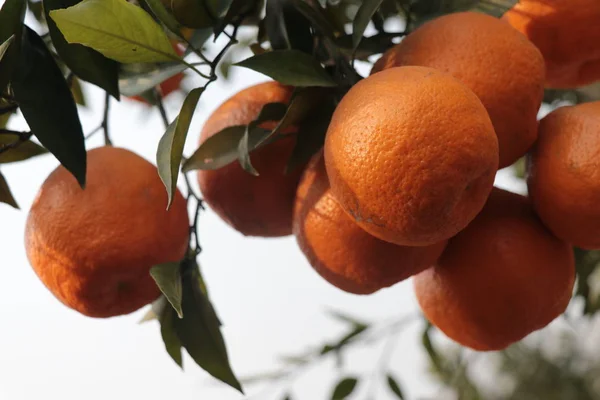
(403, 187)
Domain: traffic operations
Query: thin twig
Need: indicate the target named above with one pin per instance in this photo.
(104, 125)
(22, 138)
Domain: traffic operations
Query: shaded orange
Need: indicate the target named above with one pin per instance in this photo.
(253, 205)
(499, 65)
(564, 174)
(411, 155)
(500, 279)
(339, 250)
(567, 33)
(94, 248)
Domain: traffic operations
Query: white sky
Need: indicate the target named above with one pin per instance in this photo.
(270, 300)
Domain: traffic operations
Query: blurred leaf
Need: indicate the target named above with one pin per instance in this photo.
(117, 29)
(237, 8)
(156, 309)
(135, 79)
(394, 387)
(164, 16)
(269, 112)
(218, 150)
(367, 47)
(86, 63)
(5, 194)
(23, 151)
(362, 19)
(199, 37)
(289, 67)
(77, 92)
(37, 9)
(168, 279)
(495, 8)
(586, 264)
(316, 17)
(170, 147)
(344, 388)
(287, 397)
(12, 15)
(55, 123)
(286, 27)
(168, 332)
(4, 46)
(520, 168)
(340, 316)
(200, 334)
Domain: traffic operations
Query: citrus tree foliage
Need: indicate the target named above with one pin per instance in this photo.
(126, 49)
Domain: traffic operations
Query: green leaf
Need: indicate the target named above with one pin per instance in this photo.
(156, 309)
(4, 46)
(286, 27)
(244, 154)
(168, 279)
(236, 8)
(168, 332)
(200, 334)
(316, 16)
(86, 63)
(12, 15)
(170, 147)
(117, 29)
(77, 92)
(164, 16)
(5, 194)
(55, 123)
(199, 37)
(344, 388)
(394, 387)
(495, 8)
(270, 112)
(24, 151)
(135, 79)
(222, 148)
(289, 67)
(362, 18)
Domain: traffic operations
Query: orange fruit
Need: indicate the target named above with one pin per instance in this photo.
(94, 248)
(500, 279)
(411, 155)
(563, 178)
(567, 33)
(253, 205)
(339, 250)
(499, 65)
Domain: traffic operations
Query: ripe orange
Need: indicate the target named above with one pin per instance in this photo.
(411, 155)
(563, 178)
(253, 205)
(500, 279)
(339, 250)
(94, 248)
(567, 33)
(499, 65)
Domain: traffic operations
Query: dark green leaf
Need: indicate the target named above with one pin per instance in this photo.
(344, 388)
(362, 18)
(310, 137)
(86, 63)
(434, 356)
(289, 67)
(169, 335)
(24, 151)
(55, 123)
(119, 30)
(286, 27)
(222, 148)
(287, 397)
(237, 8)
(4, 46)
(316, 16)
(199, 37)
(168, 279)
(37, 10)
(135, 79)
(244, 154)
(170, 147)
(200, 334)
(12, 14)
(164, 16)
(394, 387)
(495, 8)
(77, 92)
(5, 194)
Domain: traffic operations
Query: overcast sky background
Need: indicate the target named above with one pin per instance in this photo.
(270, 300)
